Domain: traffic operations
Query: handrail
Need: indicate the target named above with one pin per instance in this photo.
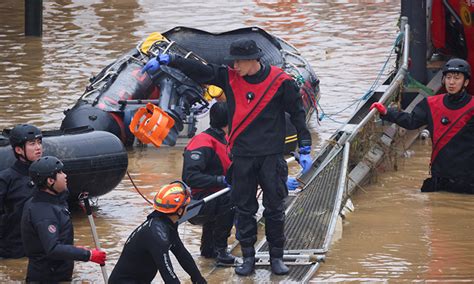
(394, 85)
(340, 195)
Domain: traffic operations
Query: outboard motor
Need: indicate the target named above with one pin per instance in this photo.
(178, 94)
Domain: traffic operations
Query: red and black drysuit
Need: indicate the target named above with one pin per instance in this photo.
(449, 118)
(257, 106)
(147, 251)
(204, 168)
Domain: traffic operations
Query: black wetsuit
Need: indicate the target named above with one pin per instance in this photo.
(204, 167)
(450, 120)
(257, 138)
(147, 251)
(15, 189)
(48, 237)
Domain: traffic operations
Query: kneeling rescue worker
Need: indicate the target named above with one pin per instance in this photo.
(450, 119)
(46, 227)
(205, 165)
(146, 250)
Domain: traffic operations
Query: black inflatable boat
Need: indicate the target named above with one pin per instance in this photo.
(114, 95)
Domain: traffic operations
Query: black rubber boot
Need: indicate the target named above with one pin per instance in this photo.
(278, 267)
(223, 256)
(276, 261)
(248, 266)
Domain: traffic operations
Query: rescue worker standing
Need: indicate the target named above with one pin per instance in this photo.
(257, 96)
(449, 118)
(46, 227)
(16, 187)
(147, 249)
(205, 165)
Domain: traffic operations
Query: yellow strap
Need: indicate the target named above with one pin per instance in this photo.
(150, 40)
(213, 92)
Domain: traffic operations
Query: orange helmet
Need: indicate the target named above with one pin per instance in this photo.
(171, 197)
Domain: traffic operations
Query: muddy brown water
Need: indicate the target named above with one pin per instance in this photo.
(396, 233)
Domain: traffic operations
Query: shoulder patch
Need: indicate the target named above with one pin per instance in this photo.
(52, 229)
(195, 155)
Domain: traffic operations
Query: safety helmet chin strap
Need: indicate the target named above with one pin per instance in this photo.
(182, 212)
(22, 157)
(463, 88)
(187, 194)
(51, 187)
(25, 156)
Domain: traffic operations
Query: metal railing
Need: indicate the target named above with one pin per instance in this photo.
(394, 85)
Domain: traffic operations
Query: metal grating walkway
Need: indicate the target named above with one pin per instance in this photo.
(309, 216)
(308, 224)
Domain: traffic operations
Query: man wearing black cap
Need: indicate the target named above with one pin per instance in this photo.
(258, 96)
(205, 165)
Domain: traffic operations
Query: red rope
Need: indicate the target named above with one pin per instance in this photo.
(136, 188)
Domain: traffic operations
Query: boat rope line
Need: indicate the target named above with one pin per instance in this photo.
(136, 188)
(369, 92)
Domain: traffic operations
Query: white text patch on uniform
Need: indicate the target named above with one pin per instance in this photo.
(195, 155)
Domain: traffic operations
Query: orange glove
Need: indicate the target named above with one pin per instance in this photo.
(98, 256)
(380, 108)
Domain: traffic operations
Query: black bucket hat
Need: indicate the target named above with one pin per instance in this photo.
(244, 49)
